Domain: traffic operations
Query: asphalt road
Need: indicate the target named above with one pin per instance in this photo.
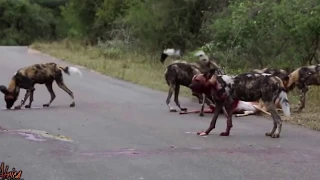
(121, 131)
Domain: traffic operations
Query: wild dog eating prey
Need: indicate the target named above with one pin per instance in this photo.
(27, 77)
(228, 90)
(181, 73)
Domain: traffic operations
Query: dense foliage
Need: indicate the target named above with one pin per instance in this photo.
(243, 33)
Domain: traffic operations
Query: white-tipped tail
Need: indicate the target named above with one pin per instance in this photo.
(74, 70)
(172, 52)
(284, 102)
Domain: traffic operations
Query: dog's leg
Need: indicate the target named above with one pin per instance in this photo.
(61, 84)
(52, 95)
(204, 100)
(277, 122)
(304, 90)
(197, 96)
(213, 121)
(31, 98)
(170, 92)
(228, 112)
(176, 97)
(26, 96)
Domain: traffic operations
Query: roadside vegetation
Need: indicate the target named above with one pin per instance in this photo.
(124, 39)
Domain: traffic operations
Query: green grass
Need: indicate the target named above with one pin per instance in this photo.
(146, 70)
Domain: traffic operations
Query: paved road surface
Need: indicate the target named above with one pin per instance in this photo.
(121, 131)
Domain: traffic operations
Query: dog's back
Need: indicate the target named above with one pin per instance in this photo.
(38, 73)
(253, 86)
(281, 73)
(181, 73)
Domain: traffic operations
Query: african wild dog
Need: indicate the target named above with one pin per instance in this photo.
(246, 108)
(228, 90)
(27, 77)
(301, 78)
(181, 73)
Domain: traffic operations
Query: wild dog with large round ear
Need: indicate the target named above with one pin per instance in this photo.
(181, 73)
(27, 77)
(201, 84)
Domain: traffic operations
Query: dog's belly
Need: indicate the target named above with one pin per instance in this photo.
(247, 96)
(43, 79)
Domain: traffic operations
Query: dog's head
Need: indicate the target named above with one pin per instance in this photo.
(201, 82)
(207, 64)
(9, 97)
(198, 96)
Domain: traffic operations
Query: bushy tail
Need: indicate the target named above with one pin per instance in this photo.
(172, 52)
(71, 70)
(284, 102)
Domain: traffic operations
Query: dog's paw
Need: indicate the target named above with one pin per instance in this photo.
(269, 134)
(201, 114)
(275, 135)
(184, 109)
(45, 105)
(17, 107)
(73, 104)
(27, 106)
(173, 110)
(224, 134)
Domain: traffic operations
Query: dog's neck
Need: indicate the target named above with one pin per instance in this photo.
(12, 85)
(221, 85)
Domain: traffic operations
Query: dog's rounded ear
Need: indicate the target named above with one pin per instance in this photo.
(208, 74)
(4, 89)
(286, 78)
(194, 77)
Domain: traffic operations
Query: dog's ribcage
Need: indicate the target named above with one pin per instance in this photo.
(248, 86)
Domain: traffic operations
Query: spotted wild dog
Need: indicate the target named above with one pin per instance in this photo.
(26, 78)
(181, 73)
(227, 91)
(241, 108)
(301, 78)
